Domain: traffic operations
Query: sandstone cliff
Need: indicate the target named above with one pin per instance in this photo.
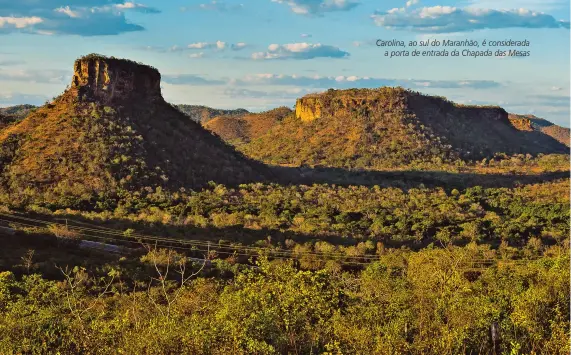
(110, 79)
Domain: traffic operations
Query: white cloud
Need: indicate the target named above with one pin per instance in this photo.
(409, 3)
(36, 76)
(239, 46)
(317, 7)
(200, 45)
(88, 18)
(220, 45)
(19, 22)
(446, 19)
(220, 6)
(300, 51)
(69, 12)
(354, 81)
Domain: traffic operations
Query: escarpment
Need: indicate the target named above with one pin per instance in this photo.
(111, 80)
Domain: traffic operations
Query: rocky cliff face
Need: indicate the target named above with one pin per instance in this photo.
(367, 101)
(308, 109)
(345, 102)
(521, 123)
(105, 79)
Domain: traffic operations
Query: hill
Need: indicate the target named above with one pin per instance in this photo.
(203, 114)
(531, 123)
(12, 114)
(112, 131)
(19, 111)
(389, 128)
(242, 129)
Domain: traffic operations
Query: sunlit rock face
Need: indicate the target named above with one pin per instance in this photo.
(109, 79)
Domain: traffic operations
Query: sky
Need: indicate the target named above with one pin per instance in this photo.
(260, 54)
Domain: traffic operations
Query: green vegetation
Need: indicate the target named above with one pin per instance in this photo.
(14, 114)
(203, 114)
(74, 153)
(437, 301)
(350, 219)
(125, 227)
(240, 129)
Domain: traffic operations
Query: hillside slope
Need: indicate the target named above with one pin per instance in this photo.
(242, 129)
(531, 123)
(12, 114)
(389, 128)
(18, 111)
(112, 131)
(203, 114)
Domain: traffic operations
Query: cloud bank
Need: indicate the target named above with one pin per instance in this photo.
(300, 51)
(318, 7)
(347, 82)
(73, 17)
(447, 19)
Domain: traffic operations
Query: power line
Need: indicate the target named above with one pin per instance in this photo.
(198, 245)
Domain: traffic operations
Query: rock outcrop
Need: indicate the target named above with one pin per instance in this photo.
(340, 102)
(99, 78)
(521, 123)
(308, 109)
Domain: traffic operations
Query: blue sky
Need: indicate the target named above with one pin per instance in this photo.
(259, 54)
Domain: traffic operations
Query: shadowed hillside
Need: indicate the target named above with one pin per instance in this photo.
(389, 128)
(531, 123)
(112, 131)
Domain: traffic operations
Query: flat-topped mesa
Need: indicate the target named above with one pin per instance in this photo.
(107, 79)
(343, 102)
(369, 101)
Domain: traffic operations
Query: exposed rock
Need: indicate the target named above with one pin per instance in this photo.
(308, 109)
(110, 79)
(521, 123)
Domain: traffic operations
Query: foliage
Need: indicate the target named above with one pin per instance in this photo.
(79, 154)
(433, 301)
